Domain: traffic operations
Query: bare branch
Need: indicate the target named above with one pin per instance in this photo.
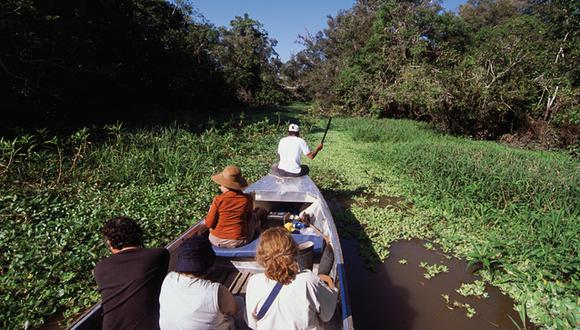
(549, 104)
(561, 51)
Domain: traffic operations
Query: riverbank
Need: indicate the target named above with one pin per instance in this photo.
(512, 213)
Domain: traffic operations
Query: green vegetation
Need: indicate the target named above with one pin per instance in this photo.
(88, 61)
(510, 212)
(469, 311)
(432, 270)
(476, 289)
(56, 194)
(496, 69)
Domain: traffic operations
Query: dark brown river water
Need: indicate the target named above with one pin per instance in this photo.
(397, 296)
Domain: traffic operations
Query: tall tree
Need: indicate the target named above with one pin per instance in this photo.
(498, 67)
(247, 57)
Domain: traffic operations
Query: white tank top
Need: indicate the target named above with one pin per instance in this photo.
(190, 303)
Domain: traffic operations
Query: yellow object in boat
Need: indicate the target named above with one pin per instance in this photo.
(289, 226)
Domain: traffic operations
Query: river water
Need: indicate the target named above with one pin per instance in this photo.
(398, 296)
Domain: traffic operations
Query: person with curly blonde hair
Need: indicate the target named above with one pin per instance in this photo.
(305, 300)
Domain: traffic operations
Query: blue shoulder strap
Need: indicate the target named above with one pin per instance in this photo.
(269, 300)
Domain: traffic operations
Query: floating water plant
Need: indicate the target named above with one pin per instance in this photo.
(433, 270)
(429, 246)
(476, 289)
(469, 310)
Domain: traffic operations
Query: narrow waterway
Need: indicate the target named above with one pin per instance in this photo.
(398, 296)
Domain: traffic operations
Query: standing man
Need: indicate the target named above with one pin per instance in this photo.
(291, 149)
(130, 280)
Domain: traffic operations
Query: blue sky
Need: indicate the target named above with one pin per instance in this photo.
(284, 20)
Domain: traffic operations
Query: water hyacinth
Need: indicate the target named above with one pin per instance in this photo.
(512, 213)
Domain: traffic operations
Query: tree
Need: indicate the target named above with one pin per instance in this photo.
(247, 57)
(499, 67)
(88, 60)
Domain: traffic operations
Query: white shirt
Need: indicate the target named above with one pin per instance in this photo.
(290, 149)
(306, 303)
(190, 303)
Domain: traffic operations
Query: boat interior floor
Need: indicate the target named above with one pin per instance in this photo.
(233, 279)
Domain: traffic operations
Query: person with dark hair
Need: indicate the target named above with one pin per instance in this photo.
(188, 300)
(130, 279)
(291, 148)
(283, 297)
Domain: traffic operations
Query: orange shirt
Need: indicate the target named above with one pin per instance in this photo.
(229, 214)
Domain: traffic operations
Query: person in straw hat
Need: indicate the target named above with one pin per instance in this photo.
(231, 220)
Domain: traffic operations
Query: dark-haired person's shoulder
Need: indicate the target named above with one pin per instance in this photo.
(142, 255)
(156, 258)
(160, 252)
(154, 254)
(153, 251)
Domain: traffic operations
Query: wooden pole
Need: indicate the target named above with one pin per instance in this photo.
(326, 130)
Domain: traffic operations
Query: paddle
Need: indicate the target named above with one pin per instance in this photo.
(326, 130)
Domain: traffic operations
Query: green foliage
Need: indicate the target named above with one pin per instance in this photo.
(249, 62)
(476, 289)
(56, 193)
(495, 69)
(89, 60)
(376, 131)
(513, 214)
(433, 270)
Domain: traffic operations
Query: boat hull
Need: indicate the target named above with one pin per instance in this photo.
(299, 195)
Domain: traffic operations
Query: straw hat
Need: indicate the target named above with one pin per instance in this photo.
(231, 177)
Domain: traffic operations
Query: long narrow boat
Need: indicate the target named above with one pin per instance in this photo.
(235, 266)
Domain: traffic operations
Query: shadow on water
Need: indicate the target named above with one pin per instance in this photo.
(397, 295)
(375, 300)
(376, 303)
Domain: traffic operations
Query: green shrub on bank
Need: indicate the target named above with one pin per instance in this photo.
(363, 130)
(513, 213)
(55, 196)
(523, 205)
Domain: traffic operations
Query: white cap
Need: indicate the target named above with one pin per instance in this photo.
(293, 128)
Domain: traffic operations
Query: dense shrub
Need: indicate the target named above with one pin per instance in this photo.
(94, 60)
(490, 70)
